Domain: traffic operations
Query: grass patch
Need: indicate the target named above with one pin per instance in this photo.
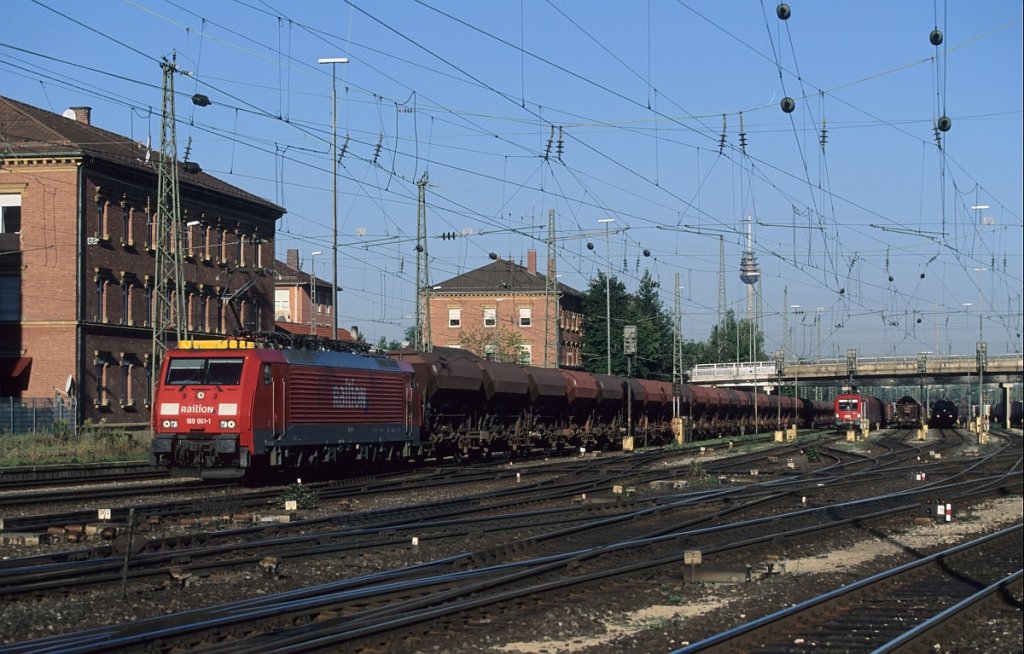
(95, 443)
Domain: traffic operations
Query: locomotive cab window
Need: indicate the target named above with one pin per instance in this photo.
(219, 372)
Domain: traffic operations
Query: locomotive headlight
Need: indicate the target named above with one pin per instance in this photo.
(170, 424)
(227, 424)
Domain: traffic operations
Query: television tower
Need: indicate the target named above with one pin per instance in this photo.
(750, 274)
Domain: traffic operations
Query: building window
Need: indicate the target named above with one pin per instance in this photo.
(150, 229)
(207, 239)
(525, 354)
(282, 305)
(191, 238)
(455, 318)
(102, 232)
(207, 317)
(224, 247)
(191, 316)
(126, 301)
(102, 398)
(149, 378)
(126, 227)
(10, 298)
(149, 306)
(490, 317)
(10, 213)
(102, 296)
(128, 396)
(218, 312)
(525, 318)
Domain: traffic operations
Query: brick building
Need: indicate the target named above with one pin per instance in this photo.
(77, 261)
(302, 301)
(505, 297)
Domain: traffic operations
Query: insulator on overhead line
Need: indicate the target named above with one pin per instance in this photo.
(944, 124)
(935, 37)
(788, 104)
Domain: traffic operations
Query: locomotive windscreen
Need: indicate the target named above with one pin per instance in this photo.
(847, 404)
(219, 372)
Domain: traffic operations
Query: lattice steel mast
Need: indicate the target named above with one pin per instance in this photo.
(422, 271)
(168, 277)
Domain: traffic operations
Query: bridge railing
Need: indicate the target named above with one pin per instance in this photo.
(710, 373)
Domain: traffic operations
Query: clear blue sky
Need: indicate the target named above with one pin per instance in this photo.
(632, 97)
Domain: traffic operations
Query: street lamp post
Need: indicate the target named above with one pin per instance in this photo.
(795, 309)
(312, 291)
(780, 359)
(967, 332)
(608, 292)
(333, 61)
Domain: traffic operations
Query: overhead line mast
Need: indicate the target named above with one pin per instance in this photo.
(422, 271)
(168, 282)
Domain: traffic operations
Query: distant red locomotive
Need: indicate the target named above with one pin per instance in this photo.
(857, 411)
(227, 409)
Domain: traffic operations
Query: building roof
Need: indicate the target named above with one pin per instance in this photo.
(27, 131)
(499, 276)
(289, 274)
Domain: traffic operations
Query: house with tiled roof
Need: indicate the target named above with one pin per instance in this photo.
(77, 260)
(303, 302)
(503, 303)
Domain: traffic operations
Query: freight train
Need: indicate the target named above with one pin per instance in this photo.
(906, 413)
(944, 414)
(857, 411)
(234, 408)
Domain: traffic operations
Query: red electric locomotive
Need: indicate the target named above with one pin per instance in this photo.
(219, 413)
(857, 411)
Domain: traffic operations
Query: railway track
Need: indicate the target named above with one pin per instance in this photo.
(17, 477)
(890, 611)
(526, 545)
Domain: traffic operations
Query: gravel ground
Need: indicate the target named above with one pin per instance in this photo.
(653, 616)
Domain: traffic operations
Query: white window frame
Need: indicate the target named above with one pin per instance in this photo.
(10, 200)
(455, 318)
(490, 317)
(525, 316)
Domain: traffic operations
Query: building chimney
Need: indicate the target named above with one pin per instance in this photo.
(83, 114)
(293, 259)
(531, 261)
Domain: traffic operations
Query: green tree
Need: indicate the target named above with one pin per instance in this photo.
(384, 345)
(653, 359)
(501, 344)
(735, 340)
(595, 327)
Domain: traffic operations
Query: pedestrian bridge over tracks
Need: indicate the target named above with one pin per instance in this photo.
(928, 369)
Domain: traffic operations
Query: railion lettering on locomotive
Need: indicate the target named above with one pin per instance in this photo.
(349, 396)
